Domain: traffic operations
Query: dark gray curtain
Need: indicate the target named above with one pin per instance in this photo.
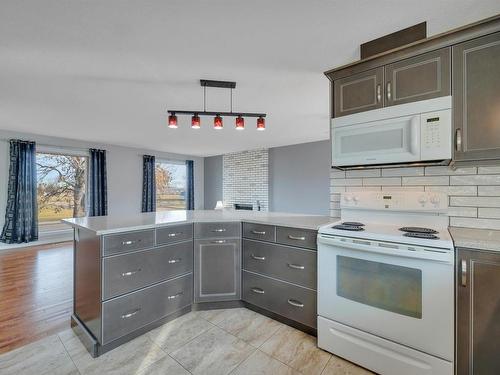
(190, 185)
(98, 189)
(148, 184)
(21, 215)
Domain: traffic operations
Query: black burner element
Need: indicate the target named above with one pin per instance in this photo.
(418, 230)
(353, 224)
(353, 228)
(426, 236)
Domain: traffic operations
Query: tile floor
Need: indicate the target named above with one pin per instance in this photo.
(233, 341)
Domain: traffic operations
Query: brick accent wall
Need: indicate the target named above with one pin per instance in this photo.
(474, 192)
(246, 178)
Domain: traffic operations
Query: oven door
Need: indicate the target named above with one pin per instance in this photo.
(395, 140)
(402, 296)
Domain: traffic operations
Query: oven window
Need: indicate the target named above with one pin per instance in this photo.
(386, 286)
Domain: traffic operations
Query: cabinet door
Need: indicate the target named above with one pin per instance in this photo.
(478, 312)
(476, 98)
(217, 265)
(358, 93)
(422, 77)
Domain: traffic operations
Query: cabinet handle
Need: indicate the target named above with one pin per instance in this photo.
(130, 314)
(258, 290)
(124, 243)
(173, 261)
(174, 234)
(379, 93)
(296, 238)
(258, 232)
(175, 295)
(130, 273)
(257, 257)
(218, 230)
(463, 266)
(458, 140)
(389, 91)
(296, 266)
(295, 303)
(219, 241)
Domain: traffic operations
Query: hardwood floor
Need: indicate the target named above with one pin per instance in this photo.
(36, 291)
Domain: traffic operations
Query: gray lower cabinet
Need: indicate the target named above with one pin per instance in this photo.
(217, 270)
(422, 77)
(358, 93)
(126, 314)
(478, 312)
(288, 300)
(476, 99)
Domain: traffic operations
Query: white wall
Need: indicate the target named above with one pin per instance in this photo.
(124, 168)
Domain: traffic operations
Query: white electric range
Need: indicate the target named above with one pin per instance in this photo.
(386, 283)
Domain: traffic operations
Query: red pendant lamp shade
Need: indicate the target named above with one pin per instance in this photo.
(172, 121)
(240, 123)
(218, 122)
(261, 123)
(195, 122)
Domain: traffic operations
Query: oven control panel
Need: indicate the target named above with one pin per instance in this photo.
(395, 201)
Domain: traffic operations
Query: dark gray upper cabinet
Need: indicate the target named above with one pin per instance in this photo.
(476, 99)
(358, 93)
(217, 264)
(422, 77)
(478, 311)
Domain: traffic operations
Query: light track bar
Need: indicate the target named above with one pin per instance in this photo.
(205, 113)
(222, 84)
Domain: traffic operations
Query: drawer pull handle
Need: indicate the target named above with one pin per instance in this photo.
(259, 232)
(125, 243)
(130, 314)
(258, 290)
(296, 266)
(257, 257)
(295, 303)
(219, 230)
(297, 238)
(174, 234)
(219, 241)
(175, 295)
(173, 261)
(130, 273)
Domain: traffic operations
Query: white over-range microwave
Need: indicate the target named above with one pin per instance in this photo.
(406, 134)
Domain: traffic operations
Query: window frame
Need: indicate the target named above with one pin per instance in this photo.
(175, 162)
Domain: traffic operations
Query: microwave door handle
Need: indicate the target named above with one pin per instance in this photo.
(415, 135)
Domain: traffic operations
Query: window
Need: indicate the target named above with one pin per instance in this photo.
(171, 183)
(61, 190)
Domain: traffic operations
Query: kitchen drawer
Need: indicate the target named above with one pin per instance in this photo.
(285, 299)
(217, 230)
(125, 314)
(281, 262)
(129, 241)
(261, 232)
(174, 233)
(128, 272)
(296, 237)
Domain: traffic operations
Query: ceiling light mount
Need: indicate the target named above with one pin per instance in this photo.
(195, 123)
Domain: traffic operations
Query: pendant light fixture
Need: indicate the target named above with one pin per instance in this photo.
(240, 123)
(261, 124)
(218, 122)
(172, 121)
(218, 119)
(195, 121)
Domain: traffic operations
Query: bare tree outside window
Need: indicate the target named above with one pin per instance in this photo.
(62, 182)
(171, 185)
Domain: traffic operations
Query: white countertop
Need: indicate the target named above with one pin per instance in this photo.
(476, 239)
(115, 224)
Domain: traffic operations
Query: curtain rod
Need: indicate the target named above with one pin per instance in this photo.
(72, 148)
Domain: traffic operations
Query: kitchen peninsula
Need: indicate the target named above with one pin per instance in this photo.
(133, 274)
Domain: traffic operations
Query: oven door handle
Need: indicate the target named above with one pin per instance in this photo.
(388, 248)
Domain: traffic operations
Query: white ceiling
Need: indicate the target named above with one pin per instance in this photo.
(106, 70)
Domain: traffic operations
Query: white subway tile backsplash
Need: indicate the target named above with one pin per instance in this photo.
(392, 181)
(425, 181)
(444, 170)
(402, 188)
(335, 173)
(489, 213)
(475, 180)
(453, 190)
(488, 191)
(475, 223)
(337, 189)
(347, 182)
(475, 201)
(363, 173)
(488, 170)
(410, 171)
(363, 188)
(462, 211)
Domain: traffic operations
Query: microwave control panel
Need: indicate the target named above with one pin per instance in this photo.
(436, 135)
